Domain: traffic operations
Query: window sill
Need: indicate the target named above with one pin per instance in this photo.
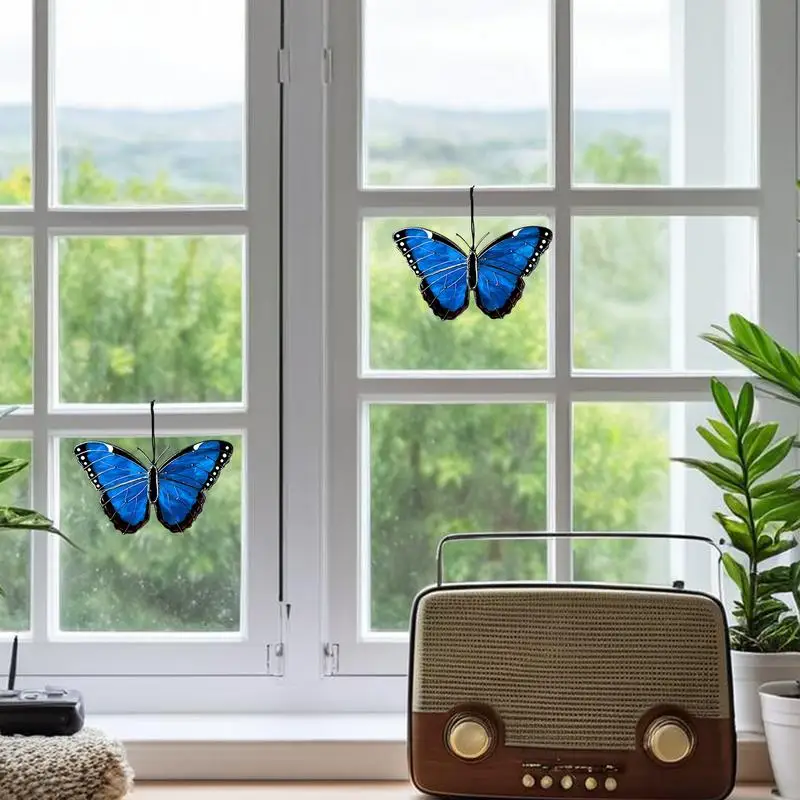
(295, 746)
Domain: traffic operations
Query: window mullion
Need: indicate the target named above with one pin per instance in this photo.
(42, 365)
(560, 327)
(262, 333)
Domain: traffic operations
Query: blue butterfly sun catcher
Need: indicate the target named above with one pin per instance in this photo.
(495, 274)
(177, 488)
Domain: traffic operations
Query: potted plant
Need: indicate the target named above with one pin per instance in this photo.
(22, 519)
(780, 708)
(761, 512)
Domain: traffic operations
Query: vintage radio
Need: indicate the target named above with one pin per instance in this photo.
(542, 690)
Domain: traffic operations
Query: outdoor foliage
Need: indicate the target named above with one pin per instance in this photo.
(160, 317)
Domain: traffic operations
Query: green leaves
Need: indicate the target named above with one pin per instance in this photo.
(23, 519)
(724, 401)
(750, 345)
(760, 511)
(10, 467)
(724, 477)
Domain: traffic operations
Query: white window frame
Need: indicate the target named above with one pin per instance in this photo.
(318, 196)
(160, 665)
(772, 202)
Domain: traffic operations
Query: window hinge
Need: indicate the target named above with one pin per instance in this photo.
(327, 66)
(275, 660)
(283, 66)
(331, 658)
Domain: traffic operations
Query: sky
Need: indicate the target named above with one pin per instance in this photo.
(158, 54)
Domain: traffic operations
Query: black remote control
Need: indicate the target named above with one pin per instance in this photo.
(51, 711)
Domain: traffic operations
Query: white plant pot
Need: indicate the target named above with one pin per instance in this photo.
(751, 670)
(780, 709)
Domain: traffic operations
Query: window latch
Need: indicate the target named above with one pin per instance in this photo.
(331, 659)
(283, 66)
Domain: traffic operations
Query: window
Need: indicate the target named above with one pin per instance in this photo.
(210, 226)
(132, 270)
(632, 130)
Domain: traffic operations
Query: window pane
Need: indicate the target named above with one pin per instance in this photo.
(437, 469)
(152, 580)
(161, 129)
(16, 341)
(456, 95)
(645, 288)
(16, 545)
(623, 480)
(665, 92)
(405, 334)
(16, 85)
(151, 318)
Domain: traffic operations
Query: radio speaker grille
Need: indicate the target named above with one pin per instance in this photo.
(573, 667)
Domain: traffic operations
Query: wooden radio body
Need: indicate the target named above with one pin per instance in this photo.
(548, 690)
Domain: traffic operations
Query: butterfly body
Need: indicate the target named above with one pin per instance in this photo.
(472, 270)
(176, 489)
(494, 275)
(152, 484)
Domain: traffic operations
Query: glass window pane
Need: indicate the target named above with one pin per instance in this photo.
(437, 469)
(16, 90)
(456, 95)
(665, 93)
(623, 480)
(16, 341)
(165, 128)
(404, 334)
(153, 580)
(147, 318)
(15, 545)
(645, 288)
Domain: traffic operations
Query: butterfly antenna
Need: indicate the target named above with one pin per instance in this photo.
(153, 428)
(161, 454)
(466, 243)
(481, 239)
(472, 213)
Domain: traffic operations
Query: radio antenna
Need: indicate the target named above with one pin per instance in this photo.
(12, 669)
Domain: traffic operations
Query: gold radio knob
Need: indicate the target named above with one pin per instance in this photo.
(566, 782)
(610, 784)
(669, 740)
(546, 782)
(591, 783)
(528, 781)
(469, 738)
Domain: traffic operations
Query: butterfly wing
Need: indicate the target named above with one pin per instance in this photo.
(503, 264)
(121, 478)
(184, 480)
(441, 264)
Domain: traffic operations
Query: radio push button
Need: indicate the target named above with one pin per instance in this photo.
(469, 737)
(669, 740)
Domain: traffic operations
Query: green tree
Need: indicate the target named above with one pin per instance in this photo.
(442, 468)
(160, 317)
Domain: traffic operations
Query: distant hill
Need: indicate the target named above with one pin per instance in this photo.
(203, 147)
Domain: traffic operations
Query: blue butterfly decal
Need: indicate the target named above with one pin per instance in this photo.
(495, 273)
(177, 489)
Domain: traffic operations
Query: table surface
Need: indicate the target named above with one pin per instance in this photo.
(321, 791)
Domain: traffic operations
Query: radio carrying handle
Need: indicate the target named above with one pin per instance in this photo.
(513, 535)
